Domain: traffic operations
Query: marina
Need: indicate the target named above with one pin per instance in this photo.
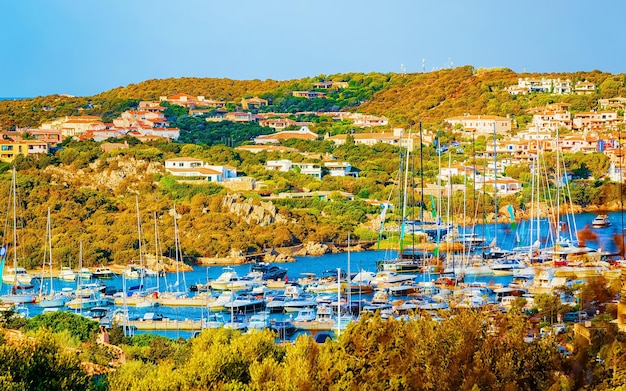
(313, 293)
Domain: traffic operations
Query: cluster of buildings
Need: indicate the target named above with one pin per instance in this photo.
(551, 86)
(146, 122)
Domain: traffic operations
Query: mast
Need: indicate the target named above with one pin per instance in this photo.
(404, 192)
(14, 188)
(142, 271)
(338, 302)
(156, 251)
(495, 184)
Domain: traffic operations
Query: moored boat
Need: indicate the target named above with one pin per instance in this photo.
(601, 221)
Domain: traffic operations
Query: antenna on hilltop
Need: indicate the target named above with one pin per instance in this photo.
(402, 70)
(423, 65)
(450, 63)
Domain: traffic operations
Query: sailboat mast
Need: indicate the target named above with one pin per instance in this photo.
(156, 250)
(14, 188)
(422, 175)
(495, 183)
(404, 201)
(142, 271)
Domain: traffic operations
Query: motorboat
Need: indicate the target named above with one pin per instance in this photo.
(386, 278)
(237, 322)
(16, 274)
(601, 221)
(214, 321)
(245, 304)
(67, 274)
(84, 273)
(305, 315)
(259, 321)
(96, 300)
(56, 300)
(230, 280)
(284, 328)
(103, 273)
(269, 272)
(506, 266)
(219, 303)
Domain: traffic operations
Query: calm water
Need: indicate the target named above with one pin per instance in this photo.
(505, 236)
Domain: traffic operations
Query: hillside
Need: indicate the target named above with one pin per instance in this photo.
(92, 194)
(404, 98)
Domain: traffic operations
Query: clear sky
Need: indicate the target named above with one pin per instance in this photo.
(84, 47)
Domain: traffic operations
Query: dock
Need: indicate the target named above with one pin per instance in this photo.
(166, 324)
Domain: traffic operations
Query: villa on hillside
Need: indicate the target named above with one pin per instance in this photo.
(308, 94)
(304, 133)
(71, 126)
(396, 138)
(284, 165)
(543, 85)
(612, 103)
(265, 147)
(481, 124)
(445, 173)
(341, 169)
(277, 123)
(192, 167)
(584, 87)
(253, 103)
(50, 136)
(595, 120)
(9, 150)
(189, 101)
(504, 185)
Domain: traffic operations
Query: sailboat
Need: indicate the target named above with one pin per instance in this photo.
(88, 296)
(408, 260)
(52, 299)
(141, 297)
(21, 292)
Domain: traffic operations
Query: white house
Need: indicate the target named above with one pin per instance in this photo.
(285, 165)
(341, 169)
(304, 133)
(504, 185)
(192, 167)
(481, 124)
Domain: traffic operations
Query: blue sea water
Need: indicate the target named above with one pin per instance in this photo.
(505, 234)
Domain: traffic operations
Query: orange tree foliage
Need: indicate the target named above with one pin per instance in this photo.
(465, 352)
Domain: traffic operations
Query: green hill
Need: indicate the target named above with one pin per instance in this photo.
(404, 98)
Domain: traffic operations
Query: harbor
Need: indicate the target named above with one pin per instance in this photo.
(314, 293)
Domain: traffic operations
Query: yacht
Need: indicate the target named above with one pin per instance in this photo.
(67, 274)
(103, 273)
(16, 274)
(601, 221)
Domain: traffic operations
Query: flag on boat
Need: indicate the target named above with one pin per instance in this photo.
(383, 213)
(1, 269)
(512, 216)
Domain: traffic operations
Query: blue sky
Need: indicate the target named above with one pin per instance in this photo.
(85, 47)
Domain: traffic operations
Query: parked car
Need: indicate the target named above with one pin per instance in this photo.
(559, 328)
(563, 350)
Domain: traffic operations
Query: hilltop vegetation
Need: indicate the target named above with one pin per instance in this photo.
(404, 98)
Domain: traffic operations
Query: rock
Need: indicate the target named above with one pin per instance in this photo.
(312, 248)
(253, 211)
(278, 258)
